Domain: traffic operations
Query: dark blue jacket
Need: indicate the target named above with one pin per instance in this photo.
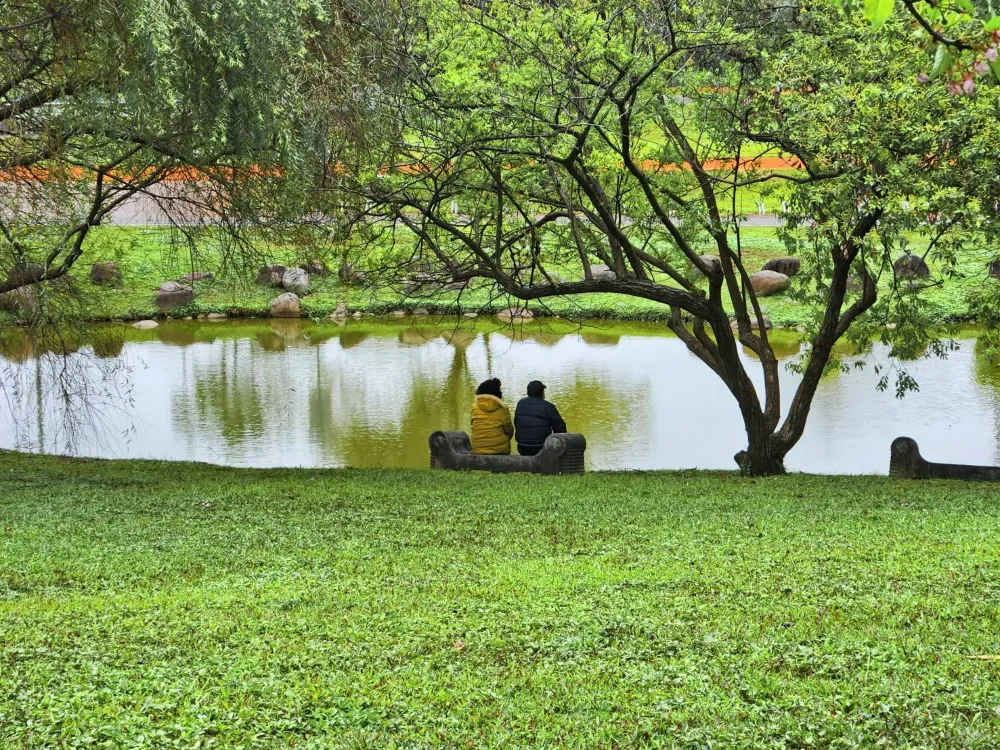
(534, 420)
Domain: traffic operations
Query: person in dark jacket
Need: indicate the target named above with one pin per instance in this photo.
(535, 419)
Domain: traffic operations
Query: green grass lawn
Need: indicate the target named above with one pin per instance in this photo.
(150, 256)
(155, 604)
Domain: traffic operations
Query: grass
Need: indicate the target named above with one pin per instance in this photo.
(178, 605)
(150, 256)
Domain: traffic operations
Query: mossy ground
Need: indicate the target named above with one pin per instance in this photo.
(147, 604)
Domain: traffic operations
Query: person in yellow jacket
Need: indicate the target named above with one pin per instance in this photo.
(492, 428)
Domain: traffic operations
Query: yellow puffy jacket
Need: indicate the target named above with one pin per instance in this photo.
(491, 426)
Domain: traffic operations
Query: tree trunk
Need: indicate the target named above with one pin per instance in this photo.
(761, 458)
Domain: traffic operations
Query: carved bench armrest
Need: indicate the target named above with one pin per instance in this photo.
(561, 454)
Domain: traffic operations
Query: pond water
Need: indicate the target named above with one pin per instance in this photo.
(291, 393)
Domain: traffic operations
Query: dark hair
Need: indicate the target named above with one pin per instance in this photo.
(536, 389)
(489, 387)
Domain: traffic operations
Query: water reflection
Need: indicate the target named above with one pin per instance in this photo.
(291, 392)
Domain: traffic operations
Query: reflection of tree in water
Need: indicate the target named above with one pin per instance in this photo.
(15, 345)
(176, 334)
(433, 404)
(608, 413)
(374, 405)
(351, 339)
(987, 367)
(600, 338)
(107, 344)
(56, 395)
(785, 346)
(599, 405)
(223, 393)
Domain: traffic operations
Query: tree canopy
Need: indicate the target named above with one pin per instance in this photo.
(546, 140)
(102, 101)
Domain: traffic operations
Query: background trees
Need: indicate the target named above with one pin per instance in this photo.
(561, 149)
(222, 109)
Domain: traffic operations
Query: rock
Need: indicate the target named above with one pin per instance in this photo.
(25, 273)
(197, 276)
(285, 306)
(105, 272)
(515, 314)
(766, 283)
(554, 279)
(19, 300)
(357, 315)
(172, 295)
(754, 325)
(145, 325)
(65, 284)
(296, 281)
(216, 316)
(340, 312)
(421, 312)
(456, 286)
(314, 268)
(471, 316)
(348, 274)
(601, 272)
(270, 275)
(711, 260)
(788, 266)
(399, 313)
(995, 269)
(908, 266)
(422, 266)
(422, 280)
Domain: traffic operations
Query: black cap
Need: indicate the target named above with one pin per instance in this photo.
(536, 388)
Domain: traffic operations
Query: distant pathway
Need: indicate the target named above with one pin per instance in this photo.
(143, 211)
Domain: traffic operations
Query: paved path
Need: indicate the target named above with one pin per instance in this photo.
(144, 211)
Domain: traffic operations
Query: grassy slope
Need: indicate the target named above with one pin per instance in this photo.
(148, 257)
(165, 605)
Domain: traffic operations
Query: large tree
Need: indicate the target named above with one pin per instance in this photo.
(541, 139)
(206, 108)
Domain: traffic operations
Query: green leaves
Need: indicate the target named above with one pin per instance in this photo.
(878, 11)
(942, 61)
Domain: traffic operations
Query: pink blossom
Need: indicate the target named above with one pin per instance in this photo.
(992, 54)
(981, 67)
(954, 88)
(923, 78)
(968, 85)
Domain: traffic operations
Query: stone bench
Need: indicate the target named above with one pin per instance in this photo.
(906, 462)
(561, 454)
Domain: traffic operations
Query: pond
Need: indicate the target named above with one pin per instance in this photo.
(368, 394)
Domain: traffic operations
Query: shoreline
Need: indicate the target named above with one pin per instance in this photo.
(410, 311)
(170, 464)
